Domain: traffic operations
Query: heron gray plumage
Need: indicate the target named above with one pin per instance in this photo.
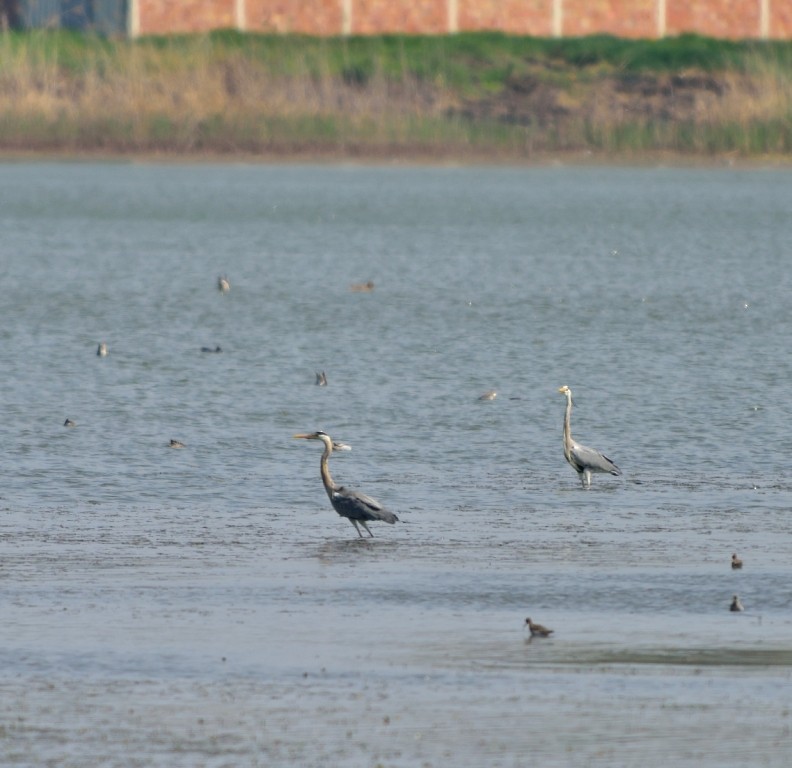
(582, 459)
(356, 507)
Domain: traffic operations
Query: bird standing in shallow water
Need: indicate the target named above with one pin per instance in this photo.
(537, 630)
(356, 507)
(736, 605)
(582, 459)
(736, 562)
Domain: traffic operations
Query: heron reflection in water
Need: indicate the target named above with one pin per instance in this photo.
(358, 508)
(582, 459)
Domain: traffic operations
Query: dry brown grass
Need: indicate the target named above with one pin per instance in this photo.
(198, 97)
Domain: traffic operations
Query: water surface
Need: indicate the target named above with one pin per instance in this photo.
(207, 607)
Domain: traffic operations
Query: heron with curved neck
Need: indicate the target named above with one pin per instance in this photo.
(582, 459)
(356, 507)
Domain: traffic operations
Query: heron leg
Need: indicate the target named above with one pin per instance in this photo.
(363, 523)
(586, 478)
(354, 522)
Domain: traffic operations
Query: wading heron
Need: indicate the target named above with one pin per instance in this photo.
(582, 459)
(358, 508)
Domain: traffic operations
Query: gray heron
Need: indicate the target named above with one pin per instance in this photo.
(356, 507)
(537, 630)
(582, 459)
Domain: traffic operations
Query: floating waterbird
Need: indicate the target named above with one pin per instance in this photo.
(366, 287)
(321, 379)
(736, 562)
(736, 605)
(489, 395)
(356, 507)
(176, 444)
(223, 284)
(537, 630)
(101, 350)
(69, 423)
(582, 459)
(218, 348)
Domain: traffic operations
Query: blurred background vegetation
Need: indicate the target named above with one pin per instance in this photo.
(464, 96)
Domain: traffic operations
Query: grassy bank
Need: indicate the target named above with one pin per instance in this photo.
(466, 95)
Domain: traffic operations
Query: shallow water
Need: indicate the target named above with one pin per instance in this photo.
(207, 607)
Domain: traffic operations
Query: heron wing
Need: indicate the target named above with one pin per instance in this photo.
(358, 506)
(584, 458)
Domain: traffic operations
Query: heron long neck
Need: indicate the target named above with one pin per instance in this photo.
(567, 419)
(329, 484)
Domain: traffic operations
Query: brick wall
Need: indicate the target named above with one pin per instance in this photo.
(307, 17)
(515, 17)
(625, 18)
(174, 16)
(719, 18)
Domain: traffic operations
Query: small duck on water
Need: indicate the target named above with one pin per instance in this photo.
(101, 350)
(736, 605)
(176, 444)
(321, 379)
(69, 423)
(736, 562)
(489, 395)
(537, 630)
(223, 284)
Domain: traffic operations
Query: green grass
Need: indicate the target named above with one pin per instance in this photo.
(228, 91)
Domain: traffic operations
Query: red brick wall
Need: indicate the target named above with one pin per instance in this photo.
(166, 16)
(515, 17)
(781, 19)
(714, 18)
(429, 17)
(625, 18)
(307, 17)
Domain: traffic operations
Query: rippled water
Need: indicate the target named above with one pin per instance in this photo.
(207, 607)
